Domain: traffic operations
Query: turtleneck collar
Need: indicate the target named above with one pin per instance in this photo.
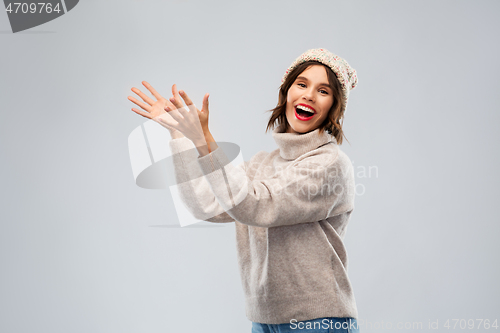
(293, 145)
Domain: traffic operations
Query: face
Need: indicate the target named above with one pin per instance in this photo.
(310, 92)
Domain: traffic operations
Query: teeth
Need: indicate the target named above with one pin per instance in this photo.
(305, 108)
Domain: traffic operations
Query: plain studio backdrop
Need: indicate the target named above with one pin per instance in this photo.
(84, 249)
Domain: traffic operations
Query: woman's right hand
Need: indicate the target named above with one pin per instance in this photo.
(153, 108)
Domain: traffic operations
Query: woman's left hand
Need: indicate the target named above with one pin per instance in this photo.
(185, 119)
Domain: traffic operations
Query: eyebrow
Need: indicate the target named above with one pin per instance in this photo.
(305, 79)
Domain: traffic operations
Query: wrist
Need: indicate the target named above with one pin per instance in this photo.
(175, 134)
(208, 136)
(210, 141)
(206, 132)
(202, 147)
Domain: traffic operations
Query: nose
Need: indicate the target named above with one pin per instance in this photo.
(308, 95)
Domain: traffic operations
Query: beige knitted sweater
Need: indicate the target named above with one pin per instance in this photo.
(291, 208)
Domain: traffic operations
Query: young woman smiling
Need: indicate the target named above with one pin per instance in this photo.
(291, 206)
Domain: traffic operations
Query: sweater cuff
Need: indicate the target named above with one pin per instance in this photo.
(214, 161)
(213, 167)
(180, 144)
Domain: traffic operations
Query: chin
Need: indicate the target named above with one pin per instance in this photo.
(299, 126)
(299, 129)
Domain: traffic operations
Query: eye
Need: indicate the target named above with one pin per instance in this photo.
(324, 92)
(301, 84)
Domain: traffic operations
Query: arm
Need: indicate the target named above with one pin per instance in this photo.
(193, 188)
(195, 193)
(311, 190)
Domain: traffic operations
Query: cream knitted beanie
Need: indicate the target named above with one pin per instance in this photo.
(345, 74)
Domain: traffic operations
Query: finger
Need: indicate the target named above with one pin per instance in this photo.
(186, 98)
(170, 105)
(177, 103)
(144, 97)
(205, 103)
(142, 113)
(152, 90)
(140, 104)
(171, 108)
(175, 93)
(176, 99)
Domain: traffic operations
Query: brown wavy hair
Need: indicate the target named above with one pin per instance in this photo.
(334, 120)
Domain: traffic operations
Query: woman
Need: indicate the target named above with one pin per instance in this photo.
(291, 207)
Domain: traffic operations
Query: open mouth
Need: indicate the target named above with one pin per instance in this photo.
(303, 112)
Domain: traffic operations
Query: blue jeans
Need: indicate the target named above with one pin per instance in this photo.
(319, 325)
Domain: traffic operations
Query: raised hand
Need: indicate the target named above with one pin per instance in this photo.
(185, 119)
(180, 120)
(202, 115)
(153, 108)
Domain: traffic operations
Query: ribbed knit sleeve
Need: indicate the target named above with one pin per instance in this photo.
(193, 187)
(308, 190)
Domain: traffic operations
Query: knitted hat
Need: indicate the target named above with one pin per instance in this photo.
(345, 74)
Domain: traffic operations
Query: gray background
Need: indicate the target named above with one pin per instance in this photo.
(84, 249)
